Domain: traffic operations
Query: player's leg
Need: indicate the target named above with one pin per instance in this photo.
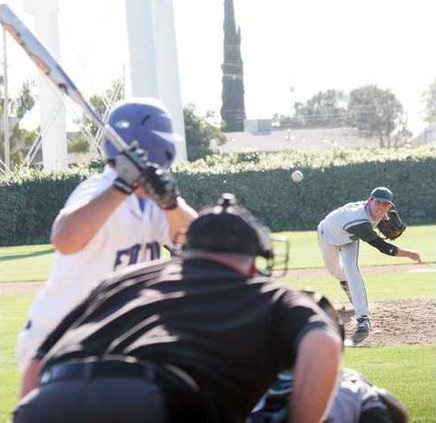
(350, 257)
(331, 256)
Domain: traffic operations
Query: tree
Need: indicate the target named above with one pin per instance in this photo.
(429, 98)
(233, 104)
(20, 139)
(375, 112)
(199, 134)
(89, 131)
(102, 102)
(25, 101)
(325, 109)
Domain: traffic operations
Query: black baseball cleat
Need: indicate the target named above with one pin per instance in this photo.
(362, 329)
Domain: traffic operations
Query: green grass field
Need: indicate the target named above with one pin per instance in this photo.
(26, 263)
(13, 314)
(379, 287)
(408, 371)
(304, 251)
(33, 262)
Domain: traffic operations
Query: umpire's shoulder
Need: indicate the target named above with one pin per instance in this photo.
(141, 273)
(294, 298)
(279, 288)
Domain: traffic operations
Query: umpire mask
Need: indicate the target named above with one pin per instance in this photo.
(227, 227)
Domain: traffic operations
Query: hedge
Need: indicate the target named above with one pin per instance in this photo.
(30, 200)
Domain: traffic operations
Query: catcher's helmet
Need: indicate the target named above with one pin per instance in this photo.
(382, 194)
(146, 121)
(230, 228)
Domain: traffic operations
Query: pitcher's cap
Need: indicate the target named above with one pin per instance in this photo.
(382, 194)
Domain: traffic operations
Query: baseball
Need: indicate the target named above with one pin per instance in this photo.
(297, 176)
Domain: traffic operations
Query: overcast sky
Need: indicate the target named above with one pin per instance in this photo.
(313, 45)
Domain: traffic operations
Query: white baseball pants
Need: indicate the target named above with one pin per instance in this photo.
(342, 263)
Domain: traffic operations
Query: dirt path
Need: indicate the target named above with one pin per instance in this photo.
(17, 288)
(380, 270)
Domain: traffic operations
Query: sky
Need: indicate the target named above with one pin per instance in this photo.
(311, 45)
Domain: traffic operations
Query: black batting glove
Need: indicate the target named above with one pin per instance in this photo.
(160, 186)
(129, 165)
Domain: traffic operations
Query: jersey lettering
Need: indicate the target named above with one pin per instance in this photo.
(130, 255)
(152, 251)
(127, 256)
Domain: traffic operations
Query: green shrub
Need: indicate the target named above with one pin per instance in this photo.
(30, 200)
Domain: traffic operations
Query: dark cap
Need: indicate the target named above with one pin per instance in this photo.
(382, 194)
(230, 228)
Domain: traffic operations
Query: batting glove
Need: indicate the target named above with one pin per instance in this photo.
(160, 186)
(129, 165)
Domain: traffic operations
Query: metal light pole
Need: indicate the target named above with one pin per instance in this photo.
(6, 105)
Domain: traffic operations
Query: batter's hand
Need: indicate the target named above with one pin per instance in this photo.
(160, 186)
(130, 165)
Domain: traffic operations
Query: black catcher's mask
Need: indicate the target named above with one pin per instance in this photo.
(227, 227)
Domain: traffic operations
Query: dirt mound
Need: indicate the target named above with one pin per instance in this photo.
(399, 322)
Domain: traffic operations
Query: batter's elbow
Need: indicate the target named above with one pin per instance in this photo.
(65, 242)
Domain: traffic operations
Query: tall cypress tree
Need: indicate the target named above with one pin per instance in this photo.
(233, 106)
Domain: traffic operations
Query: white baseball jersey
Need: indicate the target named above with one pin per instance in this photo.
(334, 226)
(340, 249)
(129, 236)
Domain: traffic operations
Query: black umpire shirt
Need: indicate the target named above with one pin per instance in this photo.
(230, 333)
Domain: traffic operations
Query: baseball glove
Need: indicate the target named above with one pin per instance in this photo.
(391, 226)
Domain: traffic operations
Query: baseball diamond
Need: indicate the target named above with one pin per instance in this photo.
(396, 322)
(393, 324)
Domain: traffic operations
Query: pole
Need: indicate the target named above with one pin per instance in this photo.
(6, 105)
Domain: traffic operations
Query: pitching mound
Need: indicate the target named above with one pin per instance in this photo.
(398, 322)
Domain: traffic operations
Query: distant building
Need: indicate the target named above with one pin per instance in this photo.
(258, 126)
(295, 139)
(427, 136)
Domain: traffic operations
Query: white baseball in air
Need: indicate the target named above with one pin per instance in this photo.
(297, 176)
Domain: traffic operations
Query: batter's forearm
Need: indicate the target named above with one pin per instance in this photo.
(72, 230)
(179, 219)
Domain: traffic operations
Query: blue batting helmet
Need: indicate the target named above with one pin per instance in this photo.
(146, 121)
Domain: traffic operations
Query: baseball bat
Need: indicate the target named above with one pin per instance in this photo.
(45, 61)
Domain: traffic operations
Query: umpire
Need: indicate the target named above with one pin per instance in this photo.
(198, 338)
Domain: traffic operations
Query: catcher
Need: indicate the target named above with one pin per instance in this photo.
(356, 399)
(338, 239)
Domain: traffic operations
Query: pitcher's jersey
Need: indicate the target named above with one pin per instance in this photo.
(335, 225)
(129, 236)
